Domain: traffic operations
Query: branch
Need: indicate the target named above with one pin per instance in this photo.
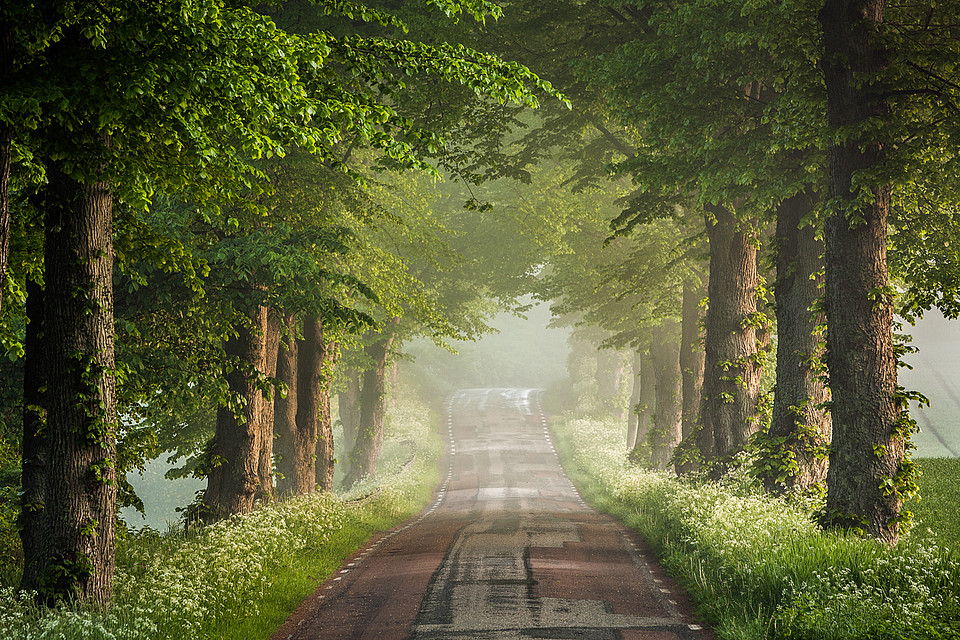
(616, 142)
(934, 75)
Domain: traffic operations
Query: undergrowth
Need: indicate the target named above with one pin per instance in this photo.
(758, 566)
(239, 579)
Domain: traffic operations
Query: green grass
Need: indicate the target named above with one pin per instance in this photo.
(938, 512)
(757, 566)
(240, 579)
(307, 570)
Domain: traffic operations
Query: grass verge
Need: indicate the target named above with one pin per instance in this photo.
(757, 566)
(938, 511)
(240, 579)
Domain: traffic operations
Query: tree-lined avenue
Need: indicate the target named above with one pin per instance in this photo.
(507, 550)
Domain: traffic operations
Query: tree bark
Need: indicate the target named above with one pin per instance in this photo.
(72, 537)
(691, 369)
(310, 383)
(348, 407)
(666, 431)
(34, 463)
(366, 451)
(6, 153)
(644, 408)
(732, 368)
(609, 373)
(285, 411)
(267, 427)
(795, 454)
(865, 481)
(325, 455)
(233, 476)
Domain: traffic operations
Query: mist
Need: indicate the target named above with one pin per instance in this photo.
(934, 374)
(524, 352)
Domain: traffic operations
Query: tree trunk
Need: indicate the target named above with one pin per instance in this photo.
(632, 417)
(71, 538)
(325, 454)
(233, 476)
(309, 382)
(6, 153)
(609, 373)
(348, 407)
(267, 428)
(34, 465)
(795, 453)
(869, 471)
(366, 451)
(732, 367)
(285, 411)
(666, 431)
(644, 408)
(691, 371)
(394, 384)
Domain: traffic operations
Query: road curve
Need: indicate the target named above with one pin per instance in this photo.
(507, 550)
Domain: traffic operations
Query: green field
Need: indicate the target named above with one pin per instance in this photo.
(937, 514)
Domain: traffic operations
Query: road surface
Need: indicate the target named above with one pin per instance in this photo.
(507, 550)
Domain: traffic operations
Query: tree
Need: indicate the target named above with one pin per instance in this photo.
(692, 363)
(734, 340)
(642, 404)
(316, 356)
(369, 432)
(234, 473)
(794, 450)
(666, 432)
(867, 409)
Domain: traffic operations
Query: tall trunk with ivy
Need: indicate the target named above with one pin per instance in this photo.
(267, 427)
(70, 534)
(348, 410)
(233, 458)
(793, 454)
(733, 337)
(691, 372)
(325, 454)
(870, 474)
(285, 411)
(314, 443)
(639, 453)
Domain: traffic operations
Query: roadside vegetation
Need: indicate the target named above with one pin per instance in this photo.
(759, 567)
(240, 578)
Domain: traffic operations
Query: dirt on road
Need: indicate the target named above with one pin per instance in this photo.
(507, 550)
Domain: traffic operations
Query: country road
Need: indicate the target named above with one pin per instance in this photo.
(507, 550)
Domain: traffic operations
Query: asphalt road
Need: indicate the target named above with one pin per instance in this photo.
(507, 550)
